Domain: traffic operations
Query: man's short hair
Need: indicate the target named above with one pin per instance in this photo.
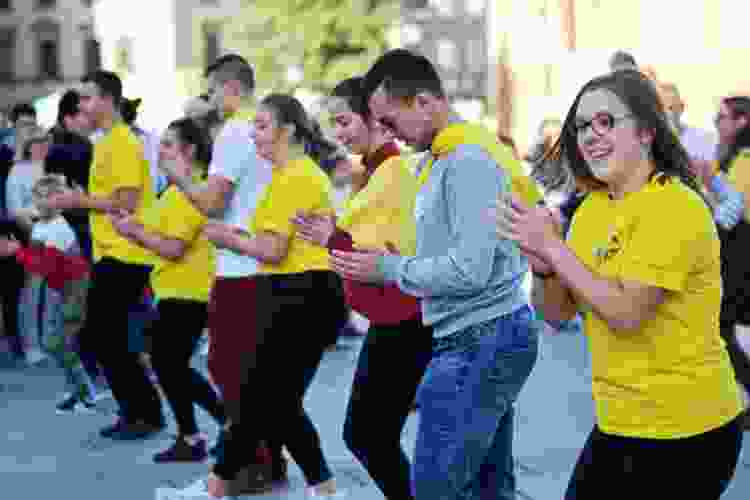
(403, 74)
(109, 85)
(68, 105)
(233, 67)
(22, 109)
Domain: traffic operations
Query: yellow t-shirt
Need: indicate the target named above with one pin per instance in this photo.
(383, 211)
(739, 176)
(672, 377)
(299, 185)
(190, 277)
(119, 163)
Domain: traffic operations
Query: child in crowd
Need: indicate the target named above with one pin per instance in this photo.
(53, 261)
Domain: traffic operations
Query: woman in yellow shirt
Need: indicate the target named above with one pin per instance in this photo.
(378, 216)
(181, 280)
(642, 262)
(301, 305)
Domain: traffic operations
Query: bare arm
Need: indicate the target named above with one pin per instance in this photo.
(210, 198)
(167, 248)
(553, 299)
(267, 247)
(623, 305)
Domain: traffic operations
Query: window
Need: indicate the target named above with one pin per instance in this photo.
(93, 54)
(7, 54)
(6, 5)
(447, 56)
(47, 33)
(444, 7)
(211, 42)
(45, 4)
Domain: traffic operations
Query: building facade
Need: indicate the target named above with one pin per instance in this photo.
(454, 35)
(545, 50)
(44, 46)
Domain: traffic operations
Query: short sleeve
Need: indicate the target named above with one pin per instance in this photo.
(178, 218)
(663, 254)
(285, 199)
(232, 153)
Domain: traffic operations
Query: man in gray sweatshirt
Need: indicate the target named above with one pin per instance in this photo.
(470, 283)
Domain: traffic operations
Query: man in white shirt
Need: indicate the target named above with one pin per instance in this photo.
(237, 178)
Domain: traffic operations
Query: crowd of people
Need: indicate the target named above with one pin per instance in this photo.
(631, 223)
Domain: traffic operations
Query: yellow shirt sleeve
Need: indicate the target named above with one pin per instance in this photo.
(662, 255)
(291, 194)
(383, 211)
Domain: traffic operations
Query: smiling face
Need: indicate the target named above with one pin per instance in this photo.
(407, 119)
(267, 135)
(350, 129)
(608, 136)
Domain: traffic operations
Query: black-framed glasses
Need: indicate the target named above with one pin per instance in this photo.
(601, 123)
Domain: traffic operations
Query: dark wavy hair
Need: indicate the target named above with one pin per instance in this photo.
(288, 110)
(191, 133)
(563, 167)
(738, 106)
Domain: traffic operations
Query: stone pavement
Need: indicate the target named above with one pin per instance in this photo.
(45, 456)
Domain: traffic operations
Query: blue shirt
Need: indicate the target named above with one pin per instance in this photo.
(463, 271)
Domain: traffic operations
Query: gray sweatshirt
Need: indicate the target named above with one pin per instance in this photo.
(464, 272)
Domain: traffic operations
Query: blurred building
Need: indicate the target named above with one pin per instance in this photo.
(454, 34)
(544, 51)
(45, 45)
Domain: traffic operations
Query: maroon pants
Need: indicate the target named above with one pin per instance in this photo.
(232, 333)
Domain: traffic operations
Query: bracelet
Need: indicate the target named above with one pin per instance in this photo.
(543, 276)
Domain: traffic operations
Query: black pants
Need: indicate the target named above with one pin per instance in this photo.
(116, 288)
(740, 361)
(298, 316)
(389, 370)
(174, 338)
(13, 279)
(696, 467)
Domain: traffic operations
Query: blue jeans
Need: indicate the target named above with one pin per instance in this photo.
(465, 435)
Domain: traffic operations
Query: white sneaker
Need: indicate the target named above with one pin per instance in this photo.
(196, 491)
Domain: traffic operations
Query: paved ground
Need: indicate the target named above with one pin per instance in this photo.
(45, 456)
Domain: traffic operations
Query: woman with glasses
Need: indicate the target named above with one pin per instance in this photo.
(728, 185)
(642, 262)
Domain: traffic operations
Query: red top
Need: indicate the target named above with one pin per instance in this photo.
(53, 264)
(380, 304)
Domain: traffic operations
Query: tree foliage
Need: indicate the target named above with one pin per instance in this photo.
(327, 39)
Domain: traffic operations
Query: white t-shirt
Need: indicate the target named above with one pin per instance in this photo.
(234, 158)
(55, 233)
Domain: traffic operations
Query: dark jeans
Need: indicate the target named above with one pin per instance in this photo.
(297, 317)
(174, 336)
(116, 288)
(696, 467)
(13, 279)
(389, 370)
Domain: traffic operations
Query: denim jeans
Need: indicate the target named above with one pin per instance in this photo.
(465, 435)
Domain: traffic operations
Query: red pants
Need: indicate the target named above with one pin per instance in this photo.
(232, 333)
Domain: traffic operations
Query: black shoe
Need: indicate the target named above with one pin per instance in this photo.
(133, 431)
(182, 451)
